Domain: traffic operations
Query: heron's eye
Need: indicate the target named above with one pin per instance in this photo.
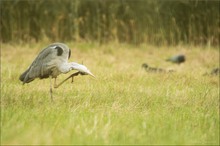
(59, 51)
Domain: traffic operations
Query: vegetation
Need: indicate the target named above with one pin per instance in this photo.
(124, 105)
(157, 22)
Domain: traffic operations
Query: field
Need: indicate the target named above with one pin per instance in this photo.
(123, 105)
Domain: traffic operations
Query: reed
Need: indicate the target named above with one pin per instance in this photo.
(131, 21)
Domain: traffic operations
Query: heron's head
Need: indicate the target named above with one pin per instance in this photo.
(81, 68)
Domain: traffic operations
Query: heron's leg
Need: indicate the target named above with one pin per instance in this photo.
(72, 79)
(51, 92)
(71, 76)
(55, 82)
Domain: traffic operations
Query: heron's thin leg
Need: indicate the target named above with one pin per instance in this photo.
(55, 82)
(71, 76)
(51, 92)
(72, 79)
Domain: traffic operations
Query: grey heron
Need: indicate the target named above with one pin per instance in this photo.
(51, 62)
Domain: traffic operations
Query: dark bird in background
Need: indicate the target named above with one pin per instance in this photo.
(152, 69)
(177, 59)
(215, 72)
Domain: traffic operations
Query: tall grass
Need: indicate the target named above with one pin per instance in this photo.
(124, 105)
(132, 21)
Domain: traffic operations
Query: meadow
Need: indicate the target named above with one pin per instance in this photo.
(123, 105)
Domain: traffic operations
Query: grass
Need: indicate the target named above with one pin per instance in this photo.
(124, 105)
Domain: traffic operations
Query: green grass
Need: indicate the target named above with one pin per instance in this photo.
(124, 105)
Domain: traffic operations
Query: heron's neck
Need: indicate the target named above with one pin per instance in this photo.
(65, 67)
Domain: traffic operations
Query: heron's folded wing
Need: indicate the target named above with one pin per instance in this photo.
(39, 66)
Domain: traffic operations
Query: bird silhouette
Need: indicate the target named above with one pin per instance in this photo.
(51, 62)
(215, 71)
(152, 69)
(178, 59)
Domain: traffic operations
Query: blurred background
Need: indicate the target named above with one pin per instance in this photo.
(157, 22)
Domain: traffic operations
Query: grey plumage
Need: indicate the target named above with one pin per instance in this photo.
(47, 63)
(177, 59)
(51, 62)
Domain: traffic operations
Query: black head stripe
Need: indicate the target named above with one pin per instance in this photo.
(59, 51)
(69, 53)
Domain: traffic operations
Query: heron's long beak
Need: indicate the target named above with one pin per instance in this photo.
(81, 68)
(89, 73)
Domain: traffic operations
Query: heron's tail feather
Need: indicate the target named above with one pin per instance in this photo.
(24, 78)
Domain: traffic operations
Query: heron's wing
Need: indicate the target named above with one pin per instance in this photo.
(40, 67)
